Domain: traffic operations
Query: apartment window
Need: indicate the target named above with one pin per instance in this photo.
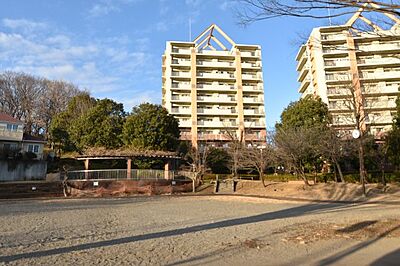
(12, 127)
(33, 148)
(10, 146)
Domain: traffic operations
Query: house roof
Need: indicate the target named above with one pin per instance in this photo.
(8, 118)
(29, 138)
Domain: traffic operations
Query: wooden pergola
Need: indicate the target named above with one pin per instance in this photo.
(169, 158)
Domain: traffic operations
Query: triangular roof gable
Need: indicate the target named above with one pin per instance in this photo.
(369, 6)
(206, 39)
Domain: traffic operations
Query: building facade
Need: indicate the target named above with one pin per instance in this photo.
(355, 72)
(12, 137)
(215, 92)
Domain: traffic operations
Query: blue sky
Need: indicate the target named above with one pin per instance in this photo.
(113, 48)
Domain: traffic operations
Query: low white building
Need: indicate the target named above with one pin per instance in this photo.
(12, 137)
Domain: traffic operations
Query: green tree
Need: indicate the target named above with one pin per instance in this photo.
(393, 139)
(149, 126)
(297, 135)
(218, 161)
(307, 112)
(100, 126)
(62, 122)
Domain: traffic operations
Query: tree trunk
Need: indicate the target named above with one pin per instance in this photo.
(303, 176)
(262, 179)
(362, 165)
(340, 172)
(383, 178)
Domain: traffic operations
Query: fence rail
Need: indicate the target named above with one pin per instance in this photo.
(135, 174)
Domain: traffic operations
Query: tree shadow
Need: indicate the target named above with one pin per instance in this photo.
(333, 259)
(356, 227)
(281, 214)
(393, 258)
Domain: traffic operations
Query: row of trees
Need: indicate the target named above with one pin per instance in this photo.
(304, 142)
(88, 122)
(34, 100)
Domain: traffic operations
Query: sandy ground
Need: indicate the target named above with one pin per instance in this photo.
(197, 230)
(320, 191)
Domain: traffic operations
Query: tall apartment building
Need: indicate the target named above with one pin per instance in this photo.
(215, 92)
(352, 69)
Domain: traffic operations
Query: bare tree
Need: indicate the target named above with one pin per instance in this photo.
(334, 146)
(353, 104)
(34, 100)
(259, 156)
(256, 10)
(235, 150)
(197, 158)
(296, 148)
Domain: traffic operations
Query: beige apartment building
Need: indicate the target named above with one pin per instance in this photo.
(353, 69)
(215, 88)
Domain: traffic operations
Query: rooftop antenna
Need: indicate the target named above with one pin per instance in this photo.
(329, 14)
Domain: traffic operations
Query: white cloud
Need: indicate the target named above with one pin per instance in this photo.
(23, 24)
(105, 7)
(226, 5)
(101, 65)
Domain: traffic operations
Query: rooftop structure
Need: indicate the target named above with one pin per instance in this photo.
(354, 71)
(214, 87)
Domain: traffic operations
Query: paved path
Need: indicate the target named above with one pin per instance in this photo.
(219, 230)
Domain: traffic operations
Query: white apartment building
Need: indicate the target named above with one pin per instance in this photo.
(352, 69)
(216, 92)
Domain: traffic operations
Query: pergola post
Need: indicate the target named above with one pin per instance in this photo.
(129, 168)
(167, 168)
(86, 168)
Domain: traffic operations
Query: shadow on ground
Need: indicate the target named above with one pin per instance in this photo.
(281, 214)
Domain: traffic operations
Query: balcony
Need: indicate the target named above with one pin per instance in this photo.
(216, 124)
(252, 76)
(255, 112)
(253, 100)
(181, 74)
(304, 84)
(250, 54)
(338, 77)
(302, 62)
(337, 63)
(185, 123)
(305, 70)
(180, 111)
(378, 61)
(216, 99)
(250, 124)
(215, 53)
(181, 86)
(180, 51)
(379, 104)
(216, 87)
(251, 65)
(206, 75)
(216, 111)
(180, 99)
(380, 90)
(333, 37)
(200, 63)
(380, 75)
(336, 50)
(378, 47)
(177, 62)
(253, 88)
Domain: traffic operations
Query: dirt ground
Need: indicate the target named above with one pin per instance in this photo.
(197, 230)
(320, 191)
